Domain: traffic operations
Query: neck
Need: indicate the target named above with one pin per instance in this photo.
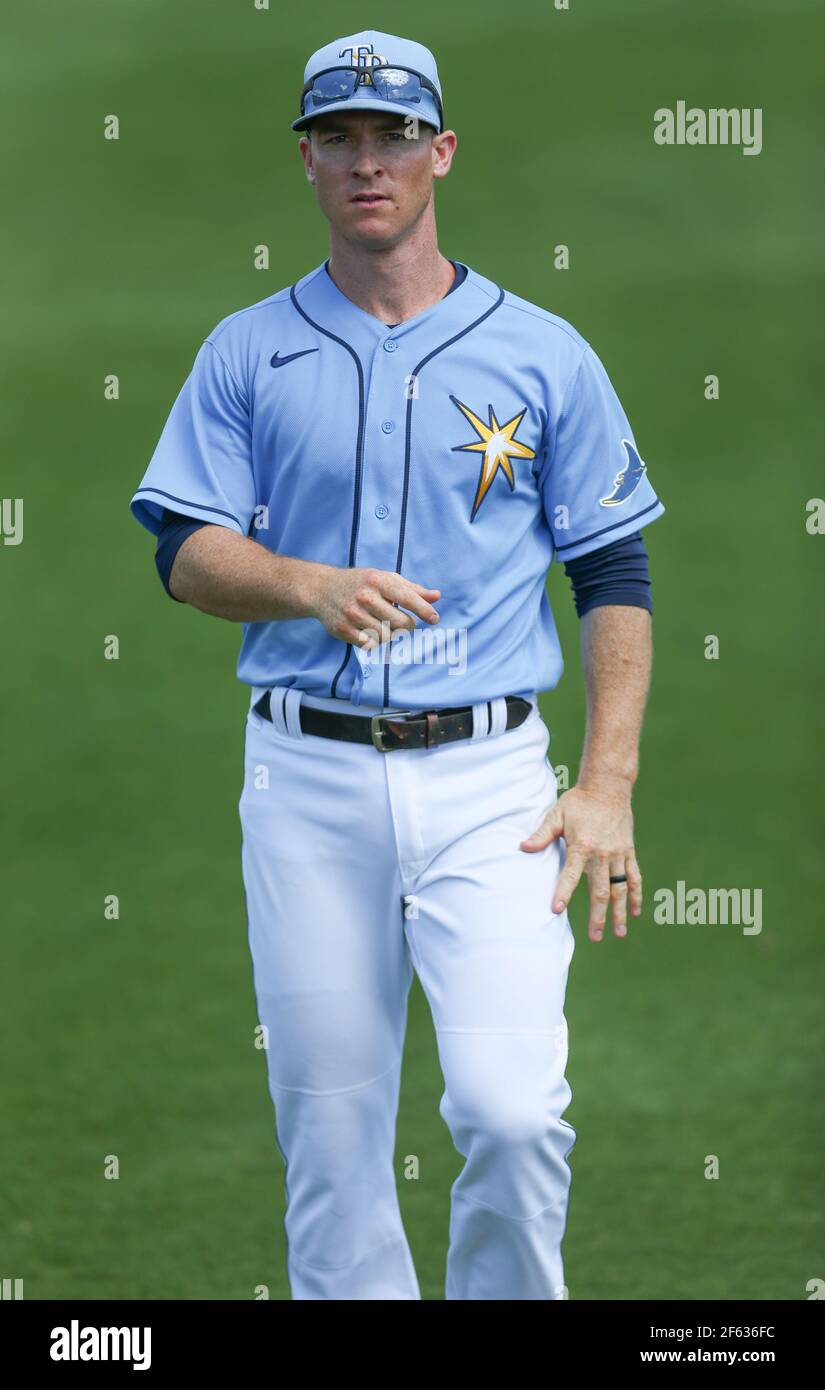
(392, 283)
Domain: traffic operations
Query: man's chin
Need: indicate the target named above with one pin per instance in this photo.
(373, 231)
(376, 218)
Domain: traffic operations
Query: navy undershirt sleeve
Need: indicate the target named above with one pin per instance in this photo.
(174, 528)
(616, 573)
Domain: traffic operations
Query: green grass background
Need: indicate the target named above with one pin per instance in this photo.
(134, 1037)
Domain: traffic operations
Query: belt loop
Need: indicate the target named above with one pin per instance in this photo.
(277, 696)
(481, 720)
(292, 712)
(498, 716)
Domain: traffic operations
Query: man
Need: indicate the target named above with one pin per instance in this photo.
(372, 471)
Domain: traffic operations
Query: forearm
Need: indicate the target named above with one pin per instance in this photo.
(617, 647)
(230, 576)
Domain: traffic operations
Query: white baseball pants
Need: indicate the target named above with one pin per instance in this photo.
(360, 866)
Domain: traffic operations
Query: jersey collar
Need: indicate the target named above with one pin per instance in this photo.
(319, 295)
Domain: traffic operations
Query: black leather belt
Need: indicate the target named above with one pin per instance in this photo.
(401, 728)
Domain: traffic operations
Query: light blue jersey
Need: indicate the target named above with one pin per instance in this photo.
(465, 449)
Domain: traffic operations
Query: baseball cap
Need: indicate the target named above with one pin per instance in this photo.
(368, 49)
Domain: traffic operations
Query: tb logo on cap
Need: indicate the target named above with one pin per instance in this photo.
(364, 56)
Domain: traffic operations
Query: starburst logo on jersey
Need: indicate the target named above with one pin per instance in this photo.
(498, 445)
(626, 482)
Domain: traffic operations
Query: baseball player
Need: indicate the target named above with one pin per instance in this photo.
(371, 471)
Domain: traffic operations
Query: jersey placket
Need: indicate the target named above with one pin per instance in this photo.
(382, 483)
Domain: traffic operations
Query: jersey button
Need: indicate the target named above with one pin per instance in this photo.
(388, 426)
(381, 511)
(390, 345)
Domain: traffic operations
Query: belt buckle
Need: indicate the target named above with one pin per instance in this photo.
(378, 733)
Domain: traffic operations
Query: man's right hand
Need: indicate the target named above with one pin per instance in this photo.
(358, 605)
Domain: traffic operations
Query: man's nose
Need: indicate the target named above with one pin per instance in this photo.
(366, 157)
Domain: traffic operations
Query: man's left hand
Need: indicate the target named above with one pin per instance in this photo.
(597, 826)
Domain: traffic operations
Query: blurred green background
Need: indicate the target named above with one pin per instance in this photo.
(122, 777)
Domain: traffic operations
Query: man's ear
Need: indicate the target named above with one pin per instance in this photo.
(310, 172)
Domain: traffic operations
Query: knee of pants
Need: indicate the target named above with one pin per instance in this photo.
(510, 1088)
(518, 1117)
(338, 1135)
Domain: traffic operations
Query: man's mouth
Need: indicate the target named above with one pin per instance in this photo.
(369, 200)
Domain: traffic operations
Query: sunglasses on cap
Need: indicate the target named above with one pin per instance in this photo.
(390, 83)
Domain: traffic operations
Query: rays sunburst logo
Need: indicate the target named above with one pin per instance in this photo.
(498, 445)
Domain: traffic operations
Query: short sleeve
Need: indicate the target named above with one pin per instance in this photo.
(595, 486)
(202, 465)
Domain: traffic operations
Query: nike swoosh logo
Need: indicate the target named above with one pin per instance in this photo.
(277, 361)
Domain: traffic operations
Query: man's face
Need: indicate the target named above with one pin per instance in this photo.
(372, 179)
